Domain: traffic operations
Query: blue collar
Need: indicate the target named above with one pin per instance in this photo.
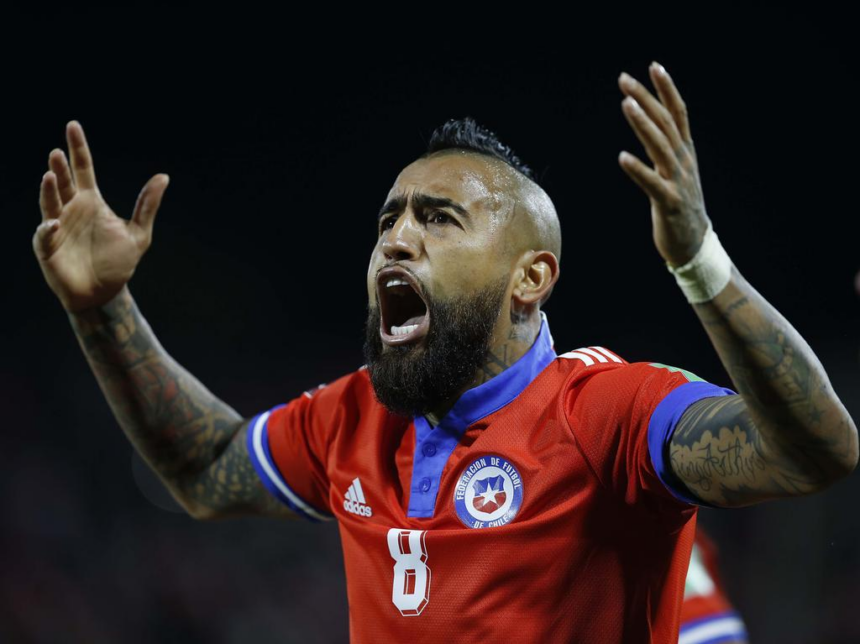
(434, 445)
(499, 390)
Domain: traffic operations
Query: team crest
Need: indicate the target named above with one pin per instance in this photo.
(489, 492)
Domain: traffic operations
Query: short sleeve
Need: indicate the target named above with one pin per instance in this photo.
(623, 419)
(288, 447)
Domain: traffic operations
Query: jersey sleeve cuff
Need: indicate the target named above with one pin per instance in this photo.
(662, 426)
(721, 627)
(267, 469)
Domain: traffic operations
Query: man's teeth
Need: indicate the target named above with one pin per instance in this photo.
(394, 282)
(403, 330)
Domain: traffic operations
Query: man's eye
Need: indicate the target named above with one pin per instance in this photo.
(387, 223)
(438, 217)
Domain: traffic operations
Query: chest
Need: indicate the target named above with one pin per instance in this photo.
(513, 466)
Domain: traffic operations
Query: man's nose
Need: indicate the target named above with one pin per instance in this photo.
(403, 240)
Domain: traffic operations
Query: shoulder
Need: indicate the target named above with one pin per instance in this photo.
(355, 384)
(598, 365)
(343, 384)
(594, 386)
(348, 394)
(347, 402)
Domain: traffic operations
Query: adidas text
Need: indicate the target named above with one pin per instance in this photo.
(357, 508)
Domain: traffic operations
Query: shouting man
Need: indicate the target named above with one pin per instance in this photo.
(484, 485)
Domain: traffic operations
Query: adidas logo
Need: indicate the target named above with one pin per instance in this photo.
(354, 500)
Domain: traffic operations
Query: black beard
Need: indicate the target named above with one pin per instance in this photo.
(413, 380)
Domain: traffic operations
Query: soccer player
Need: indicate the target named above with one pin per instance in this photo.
(485, 485)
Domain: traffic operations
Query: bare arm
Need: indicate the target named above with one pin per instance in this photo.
(786, 434)
(193, 441)
(187, 435)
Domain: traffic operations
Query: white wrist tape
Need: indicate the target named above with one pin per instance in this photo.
(707, 273)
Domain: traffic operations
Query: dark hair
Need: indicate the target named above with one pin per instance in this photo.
(465, 134)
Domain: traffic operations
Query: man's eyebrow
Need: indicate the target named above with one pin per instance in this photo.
(421, 200)
(395, 204)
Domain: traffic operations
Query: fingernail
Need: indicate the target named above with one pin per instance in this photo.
(659, 68)
(627, 80)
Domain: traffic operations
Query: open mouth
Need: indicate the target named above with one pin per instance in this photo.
(404, 317)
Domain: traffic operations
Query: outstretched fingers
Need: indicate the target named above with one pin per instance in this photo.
(646, 178)
(51, 207)
(652, 138)
(49, 198)
(671, 98)
(60, 167)
(82, 160)
(656, 110)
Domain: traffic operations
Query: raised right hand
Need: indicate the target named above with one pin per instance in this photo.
(87, 253)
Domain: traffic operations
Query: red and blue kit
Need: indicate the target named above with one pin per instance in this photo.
(541, 508)
(707, 615)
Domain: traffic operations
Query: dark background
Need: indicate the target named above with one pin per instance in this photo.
(282, 135)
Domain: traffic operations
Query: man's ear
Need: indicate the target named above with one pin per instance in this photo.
(538, 274)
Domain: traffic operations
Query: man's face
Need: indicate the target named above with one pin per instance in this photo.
(438, 280)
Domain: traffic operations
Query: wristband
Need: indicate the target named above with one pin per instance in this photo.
(707, 273)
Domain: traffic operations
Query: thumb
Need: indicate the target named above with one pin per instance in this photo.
(44, 236)
(147, 205)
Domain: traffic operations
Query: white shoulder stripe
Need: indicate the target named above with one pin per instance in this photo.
(608, 354)
(715, 630)
(595, 354)
(575, 355)
(271, 472)
(588, 355)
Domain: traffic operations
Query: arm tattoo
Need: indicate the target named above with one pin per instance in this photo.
(720, 455)
(786, 434)
(183, 431)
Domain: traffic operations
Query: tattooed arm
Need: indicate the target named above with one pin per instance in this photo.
(192, 440)
(188, 436)
(785, 434)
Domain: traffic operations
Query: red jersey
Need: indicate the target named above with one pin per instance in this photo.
(541, 508)
(707, 615)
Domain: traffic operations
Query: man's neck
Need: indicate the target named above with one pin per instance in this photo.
(510, 343)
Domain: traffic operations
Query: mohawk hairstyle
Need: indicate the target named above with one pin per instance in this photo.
(467, 135)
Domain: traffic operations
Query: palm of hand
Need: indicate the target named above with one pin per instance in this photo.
(93, 251)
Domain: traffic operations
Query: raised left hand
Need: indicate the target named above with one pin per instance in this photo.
(673, 185)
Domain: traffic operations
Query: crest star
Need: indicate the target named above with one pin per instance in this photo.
(489, 495)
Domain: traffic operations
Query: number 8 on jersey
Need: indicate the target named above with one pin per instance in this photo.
(411, 590)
